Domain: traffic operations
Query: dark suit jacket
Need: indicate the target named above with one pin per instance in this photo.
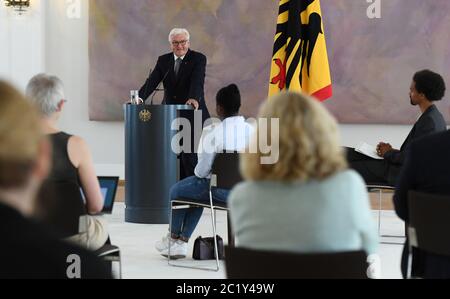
(426, 169)
(27, 251)
(431, 121)
(189, 84)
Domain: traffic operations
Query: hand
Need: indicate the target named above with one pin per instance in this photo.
(383, 148)
(138, 102)
(193, 103)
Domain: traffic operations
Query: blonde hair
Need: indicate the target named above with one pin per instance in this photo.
(309, 142)
(20, 134)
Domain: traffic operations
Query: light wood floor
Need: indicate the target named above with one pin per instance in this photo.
(386, 199)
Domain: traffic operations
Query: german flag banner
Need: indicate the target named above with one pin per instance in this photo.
(300, 60)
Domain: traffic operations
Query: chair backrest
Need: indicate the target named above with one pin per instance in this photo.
(63, 206)
(254, 264)
(380, 187)
(429, 222)
(226, 167)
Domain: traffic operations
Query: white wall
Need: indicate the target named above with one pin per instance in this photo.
(66, 55)
(373, 134)
(22, 43)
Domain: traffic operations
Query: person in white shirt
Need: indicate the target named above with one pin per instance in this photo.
(231, 134)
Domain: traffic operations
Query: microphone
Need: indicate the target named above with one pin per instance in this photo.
(158, 88)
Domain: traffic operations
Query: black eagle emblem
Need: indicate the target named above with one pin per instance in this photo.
(296, 31)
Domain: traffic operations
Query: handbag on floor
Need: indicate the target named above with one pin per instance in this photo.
(204, 248)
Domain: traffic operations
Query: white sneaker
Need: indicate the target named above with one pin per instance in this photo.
(163, 244)
(178, 250)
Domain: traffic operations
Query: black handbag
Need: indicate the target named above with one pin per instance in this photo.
(204, 248)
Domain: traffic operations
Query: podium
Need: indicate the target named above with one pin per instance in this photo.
(151, 167)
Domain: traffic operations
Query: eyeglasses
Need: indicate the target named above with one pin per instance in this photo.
(181, 43)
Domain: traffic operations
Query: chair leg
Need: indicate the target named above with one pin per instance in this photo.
(409, 270)
(170, 231)
(213, 220)
(111, 261)
(216, 245)
(180, 265)
(380, 199)
(120, 266)
(380, 195)
(230, 232)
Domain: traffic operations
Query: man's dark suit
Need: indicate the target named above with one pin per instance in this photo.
(178, 89)
(27, 251)
(426, 169)
(387, 170)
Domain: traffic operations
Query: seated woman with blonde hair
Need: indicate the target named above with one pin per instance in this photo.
(307, 201)
(72, 160)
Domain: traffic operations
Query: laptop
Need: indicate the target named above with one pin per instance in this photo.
(108, 187)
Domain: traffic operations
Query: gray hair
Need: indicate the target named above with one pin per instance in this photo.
(46, 92)
(178, 31)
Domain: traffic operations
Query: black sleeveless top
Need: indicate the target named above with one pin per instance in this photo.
(62, 169)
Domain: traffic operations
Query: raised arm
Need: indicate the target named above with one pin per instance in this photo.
(198, 79)
(154, 78)
(423, 128)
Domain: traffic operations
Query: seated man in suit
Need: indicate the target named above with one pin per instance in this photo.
(27, 250)
(232, 134)
(426, 169)
(427, 87)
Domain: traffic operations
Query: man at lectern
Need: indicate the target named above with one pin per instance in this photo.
(183, 74)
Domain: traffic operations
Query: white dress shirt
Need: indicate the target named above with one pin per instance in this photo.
(232, 134)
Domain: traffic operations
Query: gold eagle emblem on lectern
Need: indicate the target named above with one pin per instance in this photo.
(145, 115)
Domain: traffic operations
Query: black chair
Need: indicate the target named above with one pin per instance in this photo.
(256, 264)
(429, 224)
(225, 175)
(63, 211)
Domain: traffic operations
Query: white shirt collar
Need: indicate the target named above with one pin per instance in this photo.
(176, 57)
(237, 118)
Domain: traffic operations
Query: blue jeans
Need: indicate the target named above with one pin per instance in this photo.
(184, 221)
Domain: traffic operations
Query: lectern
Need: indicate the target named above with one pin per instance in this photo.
(151, 167)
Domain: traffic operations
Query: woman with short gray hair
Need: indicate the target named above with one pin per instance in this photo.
(72, 160)
(46, 92)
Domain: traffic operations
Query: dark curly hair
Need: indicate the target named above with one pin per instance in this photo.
(431, 84)
(229, 98)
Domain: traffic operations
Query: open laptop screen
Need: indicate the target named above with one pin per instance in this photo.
(108, 187)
